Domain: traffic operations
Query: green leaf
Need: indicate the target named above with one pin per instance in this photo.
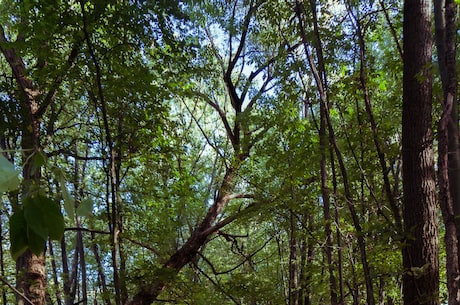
(35, 218)
(43, 217)
(85, 208)
(54, 221)
(18, 234)
(38, 160)
(35, 242)
(9, 176)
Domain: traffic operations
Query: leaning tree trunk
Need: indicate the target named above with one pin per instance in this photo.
(420, 213)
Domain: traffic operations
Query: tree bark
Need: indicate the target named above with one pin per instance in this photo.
(448, 148)
(420, 252)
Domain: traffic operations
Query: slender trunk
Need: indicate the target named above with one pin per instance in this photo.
(303, 275)
(73, 278)
(100, 271)
(337, 231)
(381, 291)
(310, 257)
(2, 263)
(84, 279)
(281, 268)
(57, 288)
(420, 213)
(293, 266)
(82, 296)
(348, 197)
(378, 147)
(353, 286)
(111, 194)
(326, 207)
(65, 271)
(119, 214)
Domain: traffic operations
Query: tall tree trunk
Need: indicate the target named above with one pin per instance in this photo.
(323, 142)
(81, 249)
(377, 143)
(100, 271)
(57, 288)
(31, 277)
(319, 77)
(448, 146)
(2, 262)
(293, 264)
(338, 236)
(420, 252)
(65, 271)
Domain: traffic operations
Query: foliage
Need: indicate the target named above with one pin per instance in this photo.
(162, 101)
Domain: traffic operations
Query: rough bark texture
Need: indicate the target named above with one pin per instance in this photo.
(420, 252)
(31, 278)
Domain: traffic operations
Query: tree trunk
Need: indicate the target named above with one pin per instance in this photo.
(319, 77)
(323, 140)
(100, 270)
(189, 250)
(448, 149)
(31, 277)
(2, 261)
(57, 287)
(420, 252)
(293, 264)
(337, 231)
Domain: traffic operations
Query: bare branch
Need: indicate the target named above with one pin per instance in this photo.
(16, 291)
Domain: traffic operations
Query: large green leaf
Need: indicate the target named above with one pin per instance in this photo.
(35, 218)
(9, 179)
(18, 234)
(54, 221)
(30, 227)
(35, 242)
(44, 217)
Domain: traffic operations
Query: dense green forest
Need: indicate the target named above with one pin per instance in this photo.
(229, 152)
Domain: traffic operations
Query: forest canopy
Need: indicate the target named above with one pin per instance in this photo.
(229, 152)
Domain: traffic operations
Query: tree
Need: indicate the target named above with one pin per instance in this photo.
(33, 97)
(225, 152)
(420, 214)
(448, 137)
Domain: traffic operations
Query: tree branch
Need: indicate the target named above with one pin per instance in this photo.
(16, 291)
